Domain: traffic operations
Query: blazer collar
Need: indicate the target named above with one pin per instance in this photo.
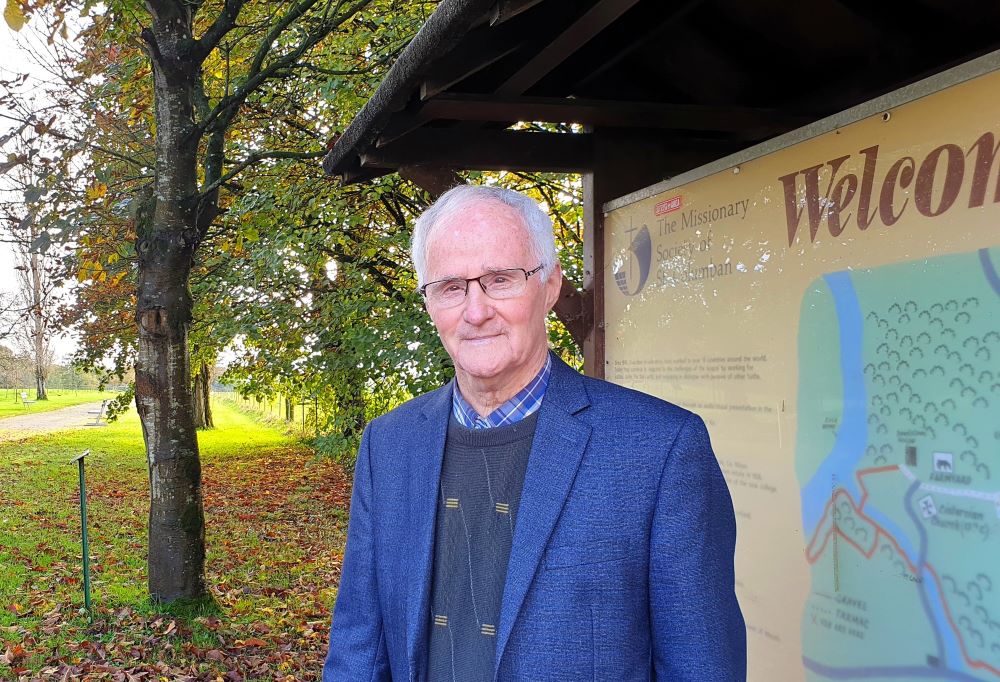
(556, 452)
(428, 435)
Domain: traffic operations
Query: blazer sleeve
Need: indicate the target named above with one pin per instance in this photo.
(697, 627)
(357, 637)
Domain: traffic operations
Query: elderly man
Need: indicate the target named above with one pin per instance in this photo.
(525, 522)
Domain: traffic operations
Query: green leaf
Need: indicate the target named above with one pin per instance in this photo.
(32, 194)
(41, 243)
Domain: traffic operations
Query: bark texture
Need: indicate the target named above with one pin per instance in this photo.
(166, 246)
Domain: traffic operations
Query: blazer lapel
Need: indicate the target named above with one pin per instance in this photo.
(427, 441)
(556, 451)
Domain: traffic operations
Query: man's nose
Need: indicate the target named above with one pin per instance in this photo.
(478, 306)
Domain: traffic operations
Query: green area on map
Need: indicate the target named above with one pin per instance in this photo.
(898, 457)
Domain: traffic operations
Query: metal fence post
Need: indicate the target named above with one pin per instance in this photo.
(79, 459)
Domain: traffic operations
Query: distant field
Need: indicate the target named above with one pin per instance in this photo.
(11, 405)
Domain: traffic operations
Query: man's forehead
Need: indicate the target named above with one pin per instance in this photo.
(473, 250)
(481, 213)
(483, 228)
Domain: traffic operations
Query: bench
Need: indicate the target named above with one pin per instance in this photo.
(99, 412)
(24, 399)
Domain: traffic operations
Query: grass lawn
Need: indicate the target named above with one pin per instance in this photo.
(58, 398)
(276, 523)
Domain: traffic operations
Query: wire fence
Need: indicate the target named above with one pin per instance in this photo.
(301, 414)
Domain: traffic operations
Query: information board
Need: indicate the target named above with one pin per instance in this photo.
(832, 309)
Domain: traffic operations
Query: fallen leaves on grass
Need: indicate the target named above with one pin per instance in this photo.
(276, 522)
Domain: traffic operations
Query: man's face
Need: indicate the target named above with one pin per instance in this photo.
(501, 343)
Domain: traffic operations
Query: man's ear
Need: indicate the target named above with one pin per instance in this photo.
(553, 286)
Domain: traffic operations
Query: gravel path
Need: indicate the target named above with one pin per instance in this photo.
(12, 428)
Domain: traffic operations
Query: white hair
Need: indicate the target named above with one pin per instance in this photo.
(457, 199)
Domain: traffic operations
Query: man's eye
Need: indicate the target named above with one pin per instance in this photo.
(451, 287)
(506, 278)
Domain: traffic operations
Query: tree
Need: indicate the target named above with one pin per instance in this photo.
(36, 302)
(10, 368)
(205, 86)
(29, 316)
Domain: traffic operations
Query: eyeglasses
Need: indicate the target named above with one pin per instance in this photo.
(498, 285)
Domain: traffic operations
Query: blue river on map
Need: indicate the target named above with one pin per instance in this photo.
(851, 440)
(837, 469)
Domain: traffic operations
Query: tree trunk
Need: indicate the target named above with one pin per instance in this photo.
(163, 400)
(39, 331)
(40, 392)
(202, 393)
(166, 248)
(198, 406)
(207, 388)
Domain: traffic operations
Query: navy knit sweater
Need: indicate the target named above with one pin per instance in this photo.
(482, 476)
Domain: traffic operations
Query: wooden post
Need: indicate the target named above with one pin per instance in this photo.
(622, 164)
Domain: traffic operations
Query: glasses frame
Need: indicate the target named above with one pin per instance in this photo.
(478, 280)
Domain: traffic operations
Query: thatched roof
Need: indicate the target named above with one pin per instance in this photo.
(445, 28)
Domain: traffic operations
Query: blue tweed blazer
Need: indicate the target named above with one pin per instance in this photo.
(622, 560)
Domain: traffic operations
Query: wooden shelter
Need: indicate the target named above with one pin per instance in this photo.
(657, 88)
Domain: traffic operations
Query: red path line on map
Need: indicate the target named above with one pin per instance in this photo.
(813, 557)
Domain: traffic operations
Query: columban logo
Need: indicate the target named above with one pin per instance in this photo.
(634, 268)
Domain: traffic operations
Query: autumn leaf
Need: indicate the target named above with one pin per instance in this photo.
(14, 15)
(13, 654)
(96, 191)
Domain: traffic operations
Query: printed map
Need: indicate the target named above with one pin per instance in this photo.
(898, 459)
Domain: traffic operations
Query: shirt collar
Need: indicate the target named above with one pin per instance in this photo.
(523, 404)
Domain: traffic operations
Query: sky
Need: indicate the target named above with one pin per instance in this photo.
(14, 59)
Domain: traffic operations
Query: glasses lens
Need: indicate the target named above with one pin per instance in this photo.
(447, 293)
(504, 283)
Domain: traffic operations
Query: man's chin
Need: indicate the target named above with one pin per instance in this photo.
(485, 364)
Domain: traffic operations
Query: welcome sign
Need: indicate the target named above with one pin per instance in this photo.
(832, 309)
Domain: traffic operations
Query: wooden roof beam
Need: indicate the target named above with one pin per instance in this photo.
(477, 149)
(355, 174)
(489, 47)
(748, 122)
(592, 22)
(508, 9)
(485, 150)
(649, 32)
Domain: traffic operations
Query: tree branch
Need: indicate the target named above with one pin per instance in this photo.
(267, 44)
(258, 74)
(383, 280)
(223, 24)
(103, 150)
(256, 157)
